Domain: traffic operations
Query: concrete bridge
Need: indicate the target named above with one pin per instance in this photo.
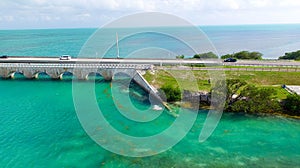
(81, 68)
(80, 71)
(157, 62)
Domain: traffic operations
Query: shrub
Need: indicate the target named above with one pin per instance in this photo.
(291, 55)
(244, 55)
(256, 100)
(248, 99)
(180, 57)
(291, 104)
(172, 93)
(205, 55)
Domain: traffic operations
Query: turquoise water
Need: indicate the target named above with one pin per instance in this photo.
(271, 40)
(39, 128)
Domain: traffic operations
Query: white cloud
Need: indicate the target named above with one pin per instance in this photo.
(259, 3)
(289, 3)
(8, 18)
(72, 12)
(230, 4)
(83, 16)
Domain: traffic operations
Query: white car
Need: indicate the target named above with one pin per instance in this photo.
(65, 57)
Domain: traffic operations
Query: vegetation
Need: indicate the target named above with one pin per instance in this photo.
(239, 55)
(242, 97)
(180, 57)
(232, 87)
(205, 55)
(244, 55)
(291, 56)
(171, 92)
(263, 78)
(291, 105)
(195, 65)
(247, 91)
(257, 100)
(258, 78)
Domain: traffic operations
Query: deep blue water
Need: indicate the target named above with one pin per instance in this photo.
(271, 40)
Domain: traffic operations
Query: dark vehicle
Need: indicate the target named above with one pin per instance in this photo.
(4, 56)
(230, 60)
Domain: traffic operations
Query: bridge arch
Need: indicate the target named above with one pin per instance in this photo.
(28, 73)
(94, 76)
(42, 75)
(16, 75)
(67, 76)
(122, 76)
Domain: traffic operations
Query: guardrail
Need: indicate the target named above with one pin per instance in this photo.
(97, 66)
(271, 69)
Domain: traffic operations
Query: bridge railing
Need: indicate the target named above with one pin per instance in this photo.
(80, 66)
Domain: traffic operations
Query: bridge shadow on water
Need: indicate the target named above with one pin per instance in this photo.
(123, 83)
(136, 93)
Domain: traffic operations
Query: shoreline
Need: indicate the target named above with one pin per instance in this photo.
(268, 83)
(207, 108)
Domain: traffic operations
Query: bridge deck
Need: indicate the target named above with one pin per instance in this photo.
(21, 59)
(102, 60)
(76, 65)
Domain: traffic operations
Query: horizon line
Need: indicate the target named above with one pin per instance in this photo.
(198, 25)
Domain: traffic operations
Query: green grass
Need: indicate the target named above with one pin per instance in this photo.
(185, 80)
(280, 92)
(257, 67)
(266, 78)
(236, 66)
(258, 78)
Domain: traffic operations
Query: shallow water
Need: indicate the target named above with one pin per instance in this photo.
(39, 128)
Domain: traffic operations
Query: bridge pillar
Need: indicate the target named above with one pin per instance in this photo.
(4, 73)
(82, 74)
(53, 75)
(28, 74)
(107, 74)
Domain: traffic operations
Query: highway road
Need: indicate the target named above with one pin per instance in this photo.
(269, 63)
(208, 62)
(104, 61)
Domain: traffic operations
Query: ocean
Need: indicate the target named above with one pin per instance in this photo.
(271, 40)
(40, 127)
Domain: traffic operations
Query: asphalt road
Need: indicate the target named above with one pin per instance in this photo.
(149, 61)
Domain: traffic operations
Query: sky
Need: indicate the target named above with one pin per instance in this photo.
(27, 14)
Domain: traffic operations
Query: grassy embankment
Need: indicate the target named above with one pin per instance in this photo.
(258, 78)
